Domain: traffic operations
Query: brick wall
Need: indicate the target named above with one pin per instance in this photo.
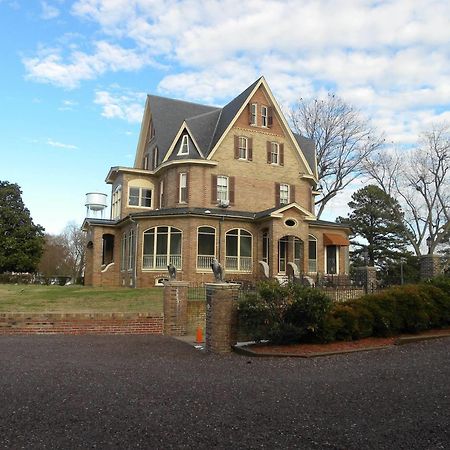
(95, 323)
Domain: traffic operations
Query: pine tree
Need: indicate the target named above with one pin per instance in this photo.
(21, 241)
(377, 233)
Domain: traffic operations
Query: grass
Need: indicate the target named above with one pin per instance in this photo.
(72, 299)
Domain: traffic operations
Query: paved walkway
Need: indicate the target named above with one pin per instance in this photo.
(155, 392)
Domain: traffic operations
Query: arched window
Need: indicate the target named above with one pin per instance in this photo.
(238, 250)
(312, 254)
(162, 246)
(206, 247)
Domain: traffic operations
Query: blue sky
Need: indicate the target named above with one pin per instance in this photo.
(75, 74)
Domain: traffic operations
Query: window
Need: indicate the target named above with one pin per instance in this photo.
(139, 196)
(222, 189)
(238, 245)
(243, 146)
(264, 115)
(184, 146)
(127, 251)
(274, 153)
(161, 194)
(312, 254)
(182, 195)
(332, 259)
(253, 114)
(162, 246)
(155, 158)
(265, 247)
(145, 163)
(284, 194)
(116, 202)
(206, 247)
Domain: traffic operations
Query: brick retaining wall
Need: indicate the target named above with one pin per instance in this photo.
(87, 323)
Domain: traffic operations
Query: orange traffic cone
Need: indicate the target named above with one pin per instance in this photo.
(199, 337)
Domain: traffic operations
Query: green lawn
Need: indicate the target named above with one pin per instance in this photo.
(35, 298)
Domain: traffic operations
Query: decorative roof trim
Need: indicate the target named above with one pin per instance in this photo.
(184, 161)
(279, 212)
(183, 127)
(113, 171)
(263, 82)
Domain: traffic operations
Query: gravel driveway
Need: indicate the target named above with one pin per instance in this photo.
(155, 392)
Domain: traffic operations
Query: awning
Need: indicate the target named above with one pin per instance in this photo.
(335, 239)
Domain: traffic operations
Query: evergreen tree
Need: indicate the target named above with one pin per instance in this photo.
(378, 236)
(21, 241)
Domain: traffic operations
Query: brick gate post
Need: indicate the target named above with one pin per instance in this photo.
(175, 308)
(221, 316)
(366, 276)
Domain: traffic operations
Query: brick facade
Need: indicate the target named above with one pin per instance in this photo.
(255, 185)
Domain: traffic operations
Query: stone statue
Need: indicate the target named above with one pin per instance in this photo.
(172, 271)
(217, 271)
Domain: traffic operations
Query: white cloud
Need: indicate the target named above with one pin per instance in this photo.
(48, 11)
(53, 143)
(390, 59)
(49, 66)
(123, 104)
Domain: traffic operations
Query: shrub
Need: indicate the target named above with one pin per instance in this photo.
(353, 319)
(284, 314)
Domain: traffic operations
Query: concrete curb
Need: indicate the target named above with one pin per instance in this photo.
(399, 341)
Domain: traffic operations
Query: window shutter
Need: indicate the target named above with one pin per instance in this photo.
(291, 193)
(249, 113)
(269, 157)
(277, 194)
(213, 188)
(163, 196)
(236, 147)
(231, 190)
(178, 187)
(281, 154)
(250, 149)
(270, 117)
(187, 187)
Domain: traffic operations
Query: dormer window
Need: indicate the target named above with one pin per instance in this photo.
(184, 146)
(264, 116)
(155, 158)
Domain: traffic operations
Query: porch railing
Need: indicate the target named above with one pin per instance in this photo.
(242, 264)
(204, 261)
(161, 261)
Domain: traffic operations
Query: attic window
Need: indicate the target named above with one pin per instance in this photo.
(184, 147)
(253, 113)
(264, 115)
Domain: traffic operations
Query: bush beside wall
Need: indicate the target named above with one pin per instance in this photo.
(288, 314)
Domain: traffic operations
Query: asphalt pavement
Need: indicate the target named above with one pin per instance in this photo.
(154, 392)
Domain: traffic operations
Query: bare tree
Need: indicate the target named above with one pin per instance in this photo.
(344, 140)
(420, 180)
(75, 240)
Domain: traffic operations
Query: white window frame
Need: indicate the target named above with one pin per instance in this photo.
(184, 146)
(239, 259)
(131, 251)
(254, 114)
(176, 260)
(312, 263)
(204, 261)
(155, 157)
(123, 252)
(116, 202)
(161, 193)
(275, 153)
(243, 147)
(264, 116)
(140, 197)
(223, 189)
(285, 189)
(146, 162)
(182, 188)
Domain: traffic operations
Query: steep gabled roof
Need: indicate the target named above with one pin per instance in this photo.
(168, 115)
(309, 150)
(202, 127)
(229, 112)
